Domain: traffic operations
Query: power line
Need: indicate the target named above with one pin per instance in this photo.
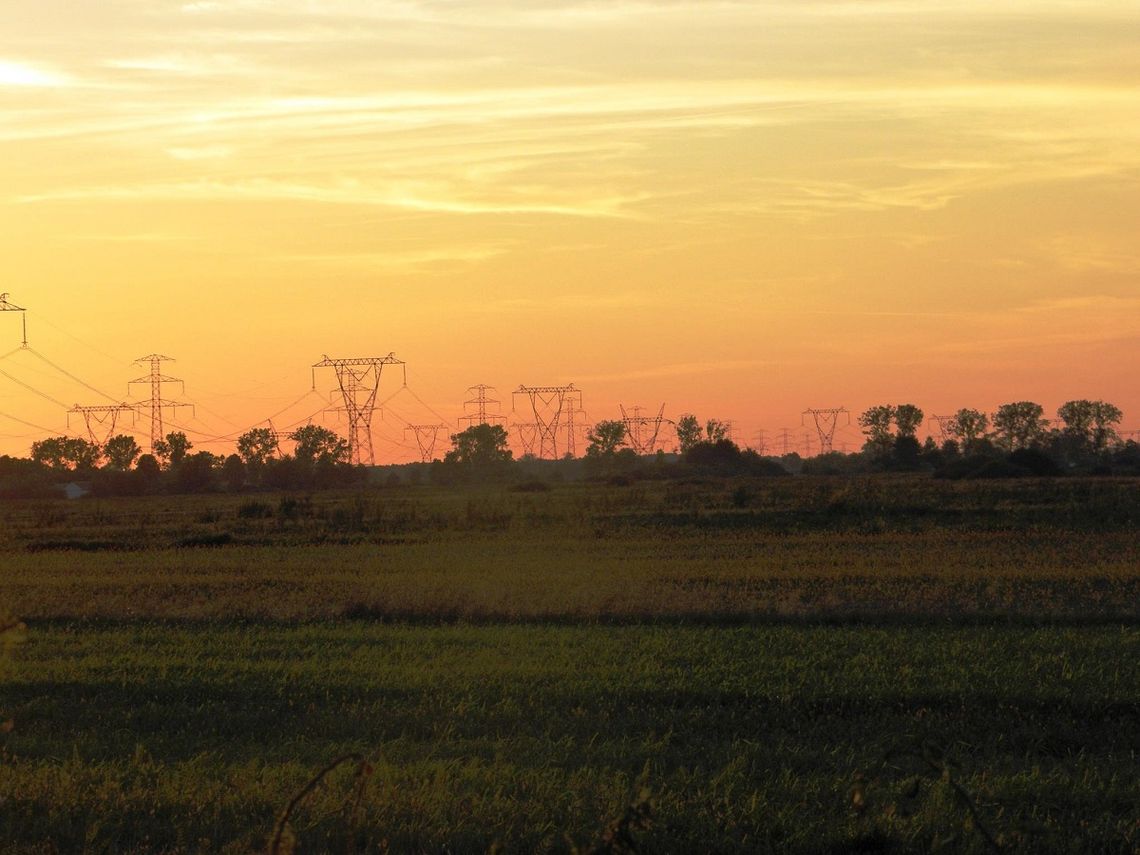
(28, 424)
(71, 376)
(34, 390)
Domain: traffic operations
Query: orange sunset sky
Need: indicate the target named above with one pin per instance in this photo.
(741, 209)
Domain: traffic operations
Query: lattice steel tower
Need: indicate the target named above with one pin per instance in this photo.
(642, 431)
(156, 379)
(826, 421)
(547, 402)
(476, 411)
(359, 381)
(426, 438)
(106, 416)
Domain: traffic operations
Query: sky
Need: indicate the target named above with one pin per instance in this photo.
(736, 209)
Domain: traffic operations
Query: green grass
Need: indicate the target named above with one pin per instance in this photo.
(893, 665)
(153, 735)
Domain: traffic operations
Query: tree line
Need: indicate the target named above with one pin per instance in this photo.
(119, 466)
(1017, 439)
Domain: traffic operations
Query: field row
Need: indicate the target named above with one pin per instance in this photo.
(502, 577)
(797, 738)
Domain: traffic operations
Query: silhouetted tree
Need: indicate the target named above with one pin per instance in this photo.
(67, 453)
(1090, 423)
(605, 438)
(1020, 425)
(716, 430)
(906, 453)
(316, 444)
(908, 419)
(256, 446)
(968, 427)
(688, 432)
(481, 446)
(121, 452)
(876, 423)
(233, 471)
(148, 472)
(195, 473)
(173, 449)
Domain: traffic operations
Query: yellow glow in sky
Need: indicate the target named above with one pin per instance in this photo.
(741, 209)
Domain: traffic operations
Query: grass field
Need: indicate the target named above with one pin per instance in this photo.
(792, 665)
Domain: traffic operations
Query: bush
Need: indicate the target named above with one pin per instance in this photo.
(254, 510)
(1034, 461)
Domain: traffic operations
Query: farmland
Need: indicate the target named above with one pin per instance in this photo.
(787, 664)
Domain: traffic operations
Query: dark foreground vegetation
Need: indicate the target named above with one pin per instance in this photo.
(877, 663)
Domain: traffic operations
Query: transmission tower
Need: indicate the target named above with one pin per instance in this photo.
(106, 416)
(528, 435)
(786, 440)
(761, 442)
(426, 438)
(476, 407)
(359, 381)
(943, 423)
(807, 444)
(642, 431)
(156, 379)
(547, 402)
(825, 423)
(5, 306)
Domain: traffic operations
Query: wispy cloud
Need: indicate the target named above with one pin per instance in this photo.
(17, 74)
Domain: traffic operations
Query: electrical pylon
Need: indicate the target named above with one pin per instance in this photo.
(106, 416)
(807, 444)
(786, 440)
(528, 435)
(6, 306)
(642, 431)
(547, 402)
(426, 438)
(479, 401)
(359, 381)
(156, 379)
(943, 423)
(826, 421)
(575, 422)
(761, 441)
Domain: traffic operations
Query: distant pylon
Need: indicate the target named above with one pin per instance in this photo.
(5, 306)
(527, 433)
(642, 432)
(106, 416)
(825, 424)
(546, 403)
(807, 445)
(156, 379)
(359, 381)
(477, 407)
(943, 423)
(575, 422)
(426, 438)
(761, 442)
(786, 439)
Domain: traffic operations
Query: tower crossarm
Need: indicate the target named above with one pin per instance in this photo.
(359, 381)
